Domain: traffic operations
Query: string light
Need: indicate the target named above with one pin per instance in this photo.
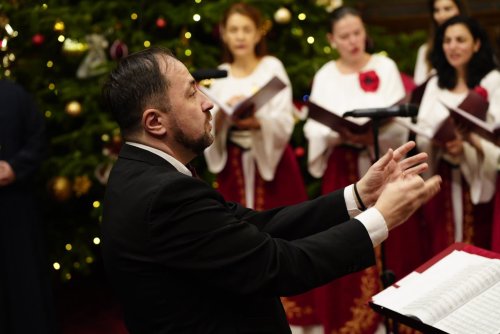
(48, 114)
(61, 38)
(56, 266)
(187, 35)
(96, 204)
(96, 241)
(50, 63)
(187, 52)
(310, 40)
(302, 16)
(68, 247)
(196, 17)
(134, 16)
(59, 26)
(147, 44)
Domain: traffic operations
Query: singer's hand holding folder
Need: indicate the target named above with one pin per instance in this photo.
(472, 123)
(473, 104)
(250, 105)
(458, 291)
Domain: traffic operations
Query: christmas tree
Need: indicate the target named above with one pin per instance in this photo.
(61, 51)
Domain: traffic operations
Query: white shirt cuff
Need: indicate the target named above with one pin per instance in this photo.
(375, 224)
(371, 218)
(350, 201)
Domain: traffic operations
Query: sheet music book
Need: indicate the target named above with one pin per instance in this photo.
(250, 105)
(336, 122)
(473, 104)
(455, 292)
(443, 133)
(488, 131)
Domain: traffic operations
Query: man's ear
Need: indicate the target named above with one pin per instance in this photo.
(154, 121)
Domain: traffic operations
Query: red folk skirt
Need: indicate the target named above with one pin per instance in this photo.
(286, 188)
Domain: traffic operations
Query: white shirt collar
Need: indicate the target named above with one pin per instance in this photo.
(176, 163)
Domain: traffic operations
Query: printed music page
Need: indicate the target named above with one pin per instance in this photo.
(460, 283)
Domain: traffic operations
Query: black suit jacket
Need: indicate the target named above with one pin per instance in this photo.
(182, 260)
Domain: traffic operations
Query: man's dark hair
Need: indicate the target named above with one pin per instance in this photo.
(481, 63)
(137, 83)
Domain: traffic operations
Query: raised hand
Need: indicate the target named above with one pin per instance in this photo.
(401, 198)
(389, 168)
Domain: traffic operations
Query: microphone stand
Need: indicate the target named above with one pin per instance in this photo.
(388, 277)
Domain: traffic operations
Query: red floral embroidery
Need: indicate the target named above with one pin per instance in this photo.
(481, 91)
(369, 81)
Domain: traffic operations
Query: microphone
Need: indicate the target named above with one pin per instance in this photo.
(403, 110)
(208, 73)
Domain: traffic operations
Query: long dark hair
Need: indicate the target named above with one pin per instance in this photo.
(253, 14)
(479, 65)
(462, 10)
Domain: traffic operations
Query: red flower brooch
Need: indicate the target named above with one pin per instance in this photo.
(369, 81)
(482, 92)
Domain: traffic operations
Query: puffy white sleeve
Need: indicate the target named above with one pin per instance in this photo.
(321, 139)
(216, 154)
(276, 125)
(391, 135)
(421, 68)
(480, 171)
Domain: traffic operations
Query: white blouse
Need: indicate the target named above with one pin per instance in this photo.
(422, 70)
(267, 144)
(479, 171)
(339, 93)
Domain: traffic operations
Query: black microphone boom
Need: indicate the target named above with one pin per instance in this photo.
(208, 73)
(403, 110)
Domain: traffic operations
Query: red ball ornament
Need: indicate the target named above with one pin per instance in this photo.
(161, 22)
(38, 39)
(299, 152)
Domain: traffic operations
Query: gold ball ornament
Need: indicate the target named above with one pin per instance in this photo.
(283, 15)
(81, 185)
(60, 188)
(73, 108)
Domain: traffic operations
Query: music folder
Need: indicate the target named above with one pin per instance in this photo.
(250, 105)
(473, 104)
(490, 132)
(336, 122)
(457, 291)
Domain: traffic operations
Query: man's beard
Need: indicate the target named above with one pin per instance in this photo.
(195, 145)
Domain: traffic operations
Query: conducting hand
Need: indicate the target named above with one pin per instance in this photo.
(401, 198)
(391, 167)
